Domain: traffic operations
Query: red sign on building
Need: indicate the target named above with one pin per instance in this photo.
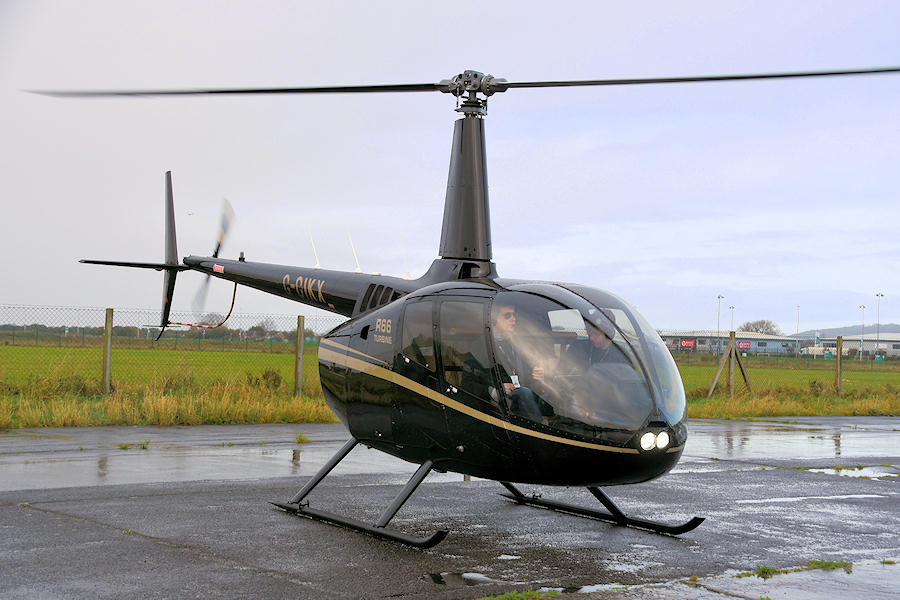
(743, 345)
(688, 343)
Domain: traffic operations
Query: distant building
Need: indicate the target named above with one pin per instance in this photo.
(888, 345)
(710, 341)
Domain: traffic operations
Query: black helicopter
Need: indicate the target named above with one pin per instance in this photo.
(462, 370)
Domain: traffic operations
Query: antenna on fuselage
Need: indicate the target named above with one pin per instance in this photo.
(316, 254)
(405, 262)
(352, 249)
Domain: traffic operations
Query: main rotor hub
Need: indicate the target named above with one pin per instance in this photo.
(467, 85)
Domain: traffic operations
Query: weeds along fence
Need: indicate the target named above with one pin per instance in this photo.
(67, 345)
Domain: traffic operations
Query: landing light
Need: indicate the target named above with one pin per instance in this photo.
(662, 440)
(648, 440)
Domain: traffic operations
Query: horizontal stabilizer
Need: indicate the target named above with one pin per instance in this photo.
(138, 265)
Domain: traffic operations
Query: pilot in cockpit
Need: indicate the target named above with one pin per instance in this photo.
(515, 375)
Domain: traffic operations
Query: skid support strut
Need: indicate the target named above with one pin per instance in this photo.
(380, 529)
(615, 514)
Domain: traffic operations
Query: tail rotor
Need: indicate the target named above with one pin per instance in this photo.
(225, 222)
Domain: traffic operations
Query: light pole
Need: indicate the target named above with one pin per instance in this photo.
(878, 297)
(732, 317)
(862, 307)
(798, 330)
(718, 328)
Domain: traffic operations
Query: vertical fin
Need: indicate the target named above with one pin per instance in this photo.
(171, 250)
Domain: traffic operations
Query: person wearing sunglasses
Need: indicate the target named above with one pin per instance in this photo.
(515, 374)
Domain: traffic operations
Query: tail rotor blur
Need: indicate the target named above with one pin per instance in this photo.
(225, 222)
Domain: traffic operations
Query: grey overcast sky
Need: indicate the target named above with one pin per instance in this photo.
(773, 194)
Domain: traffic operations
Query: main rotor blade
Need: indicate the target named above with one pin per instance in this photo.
(451, 86)
(698, 78)
(344, 89)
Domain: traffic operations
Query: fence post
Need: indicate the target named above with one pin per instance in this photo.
(837, 363)
(731, 344)
(107, 349)
(298, 355)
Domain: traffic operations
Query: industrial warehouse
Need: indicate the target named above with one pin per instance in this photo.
(872, 345)
(706, 341)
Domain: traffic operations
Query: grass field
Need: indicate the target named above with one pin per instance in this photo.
(791, 387)
(60, 386)
(766, 378)
(140, 366)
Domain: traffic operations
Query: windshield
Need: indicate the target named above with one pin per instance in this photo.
(579, 364)
(662, 372)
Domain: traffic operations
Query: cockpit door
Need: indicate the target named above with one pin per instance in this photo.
(467, 371)
(417, 420)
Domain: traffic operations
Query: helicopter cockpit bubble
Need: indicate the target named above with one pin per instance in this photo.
(580, 363)
(662, 372)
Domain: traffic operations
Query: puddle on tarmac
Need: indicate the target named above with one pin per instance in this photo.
(587, 589)
(876, 473)
(466, 579)
(870, 579)
(165, 463)
(743, 440)
(31, 459)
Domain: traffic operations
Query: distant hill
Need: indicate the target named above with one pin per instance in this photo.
(849, 330)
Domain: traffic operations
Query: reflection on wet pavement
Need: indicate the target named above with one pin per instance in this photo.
(173, 463)
(107, 456)
(465, 579)
(36, 458)
(877, 473)
(870, 579)
(794, 438)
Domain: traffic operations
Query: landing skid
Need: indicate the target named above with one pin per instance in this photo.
(380, 529)
(615, 515)
(382, 532)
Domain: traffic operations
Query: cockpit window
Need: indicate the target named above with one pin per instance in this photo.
(567, 320)
(463, 344)
(662, 372)
(418, 341)
(579, 366)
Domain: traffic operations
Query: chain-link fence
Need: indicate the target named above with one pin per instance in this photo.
(62, 348)
(67, 344)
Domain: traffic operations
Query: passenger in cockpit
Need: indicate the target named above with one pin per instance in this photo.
(598, 348)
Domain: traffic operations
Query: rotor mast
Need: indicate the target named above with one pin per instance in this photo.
(466, 231)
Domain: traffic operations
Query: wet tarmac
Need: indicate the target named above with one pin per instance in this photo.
(182, 511)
